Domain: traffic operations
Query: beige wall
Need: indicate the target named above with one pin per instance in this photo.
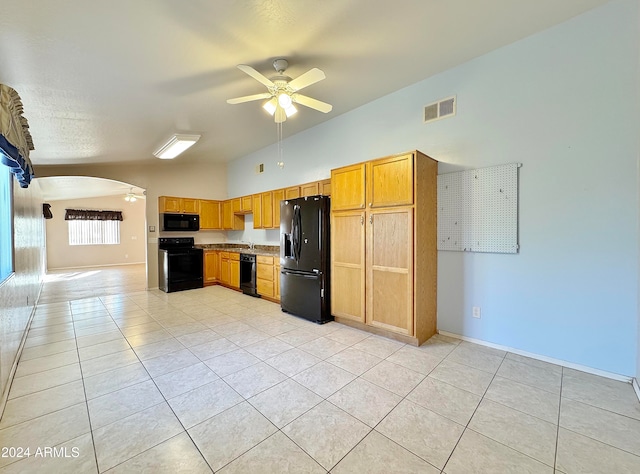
(131, 248)
(203, 180)
(18, 294)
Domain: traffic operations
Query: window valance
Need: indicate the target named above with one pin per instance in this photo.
(15, 139)
(89, 215)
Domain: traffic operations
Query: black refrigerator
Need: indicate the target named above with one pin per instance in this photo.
(304, 258)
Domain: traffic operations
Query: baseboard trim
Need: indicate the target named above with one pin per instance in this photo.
(98, 266)
(636, 387)
(551, 360)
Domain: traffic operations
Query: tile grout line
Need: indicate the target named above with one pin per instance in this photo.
(555, 454)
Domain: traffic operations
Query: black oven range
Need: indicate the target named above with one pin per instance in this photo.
(179, 264)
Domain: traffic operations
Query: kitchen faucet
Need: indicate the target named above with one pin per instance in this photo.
(250, 244)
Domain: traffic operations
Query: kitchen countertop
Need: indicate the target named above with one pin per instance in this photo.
(268, 250)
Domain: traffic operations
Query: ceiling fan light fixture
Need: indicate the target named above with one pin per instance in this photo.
(270, 106)
(291, 110)
(178, 143)
(284, 100)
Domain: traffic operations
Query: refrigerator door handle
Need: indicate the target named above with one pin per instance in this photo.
(303, 275)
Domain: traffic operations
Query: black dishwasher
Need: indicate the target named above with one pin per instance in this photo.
(248, 274)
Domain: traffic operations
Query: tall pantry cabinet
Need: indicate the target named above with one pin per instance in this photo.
(383, 246)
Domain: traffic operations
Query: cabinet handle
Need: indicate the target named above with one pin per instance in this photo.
(361, 220)
(370, 204)
(371, 219)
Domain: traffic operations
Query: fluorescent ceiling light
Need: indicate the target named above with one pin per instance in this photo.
(176, 145)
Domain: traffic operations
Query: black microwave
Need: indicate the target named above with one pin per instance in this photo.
(180, 222)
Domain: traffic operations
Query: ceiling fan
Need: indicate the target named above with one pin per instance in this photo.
(283, 91)
(131, 197)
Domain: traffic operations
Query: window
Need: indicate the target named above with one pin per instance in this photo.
(93, 227)
(94, 232)
(6, 222)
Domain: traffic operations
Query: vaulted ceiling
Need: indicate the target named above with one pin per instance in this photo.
(110, 81)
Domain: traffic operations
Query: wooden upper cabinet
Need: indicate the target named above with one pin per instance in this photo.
(292, 193)
(210, 215)
(257, 211)
(230, 220)
(278, 195)
(310, 189)
(247, 204)
(267, 210)
(236, 205)
(348, 187)
(390, 181)
(325, 187)
(178, 205)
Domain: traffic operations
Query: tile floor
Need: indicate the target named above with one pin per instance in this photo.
(212, 380)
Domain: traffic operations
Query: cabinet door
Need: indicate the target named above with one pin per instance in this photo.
(257, 211)
(227, 215)
(247, 203)
(211, 261)
(310, 189)
(169, 204)
(210, 215)
(390, 181)
(348, 265)
(234, 273)
(225, 277)
(325, 187)
(348, 187)
(236, 205)
(278, 195)
(292, 193)
(190, 206)
(390, 270)
(267, 210)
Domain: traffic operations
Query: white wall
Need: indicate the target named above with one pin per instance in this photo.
(564, 103)
(131, 248)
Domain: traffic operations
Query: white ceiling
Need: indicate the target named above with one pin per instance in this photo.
(62, 188)
(110, 81)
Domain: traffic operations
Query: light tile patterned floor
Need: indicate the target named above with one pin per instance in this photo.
(212, 380)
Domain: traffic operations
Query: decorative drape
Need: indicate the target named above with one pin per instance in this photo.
(15, 139)
(89, 215)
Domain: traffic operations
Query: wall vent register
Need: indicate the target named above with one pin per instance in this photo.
(440, 109)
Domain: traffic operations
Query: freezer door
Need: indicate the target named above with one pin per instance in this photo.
(304, 234)
(303, 294)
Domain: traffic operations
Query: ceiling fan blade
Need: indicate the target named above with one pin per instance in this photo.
(256, 75)
(280, 115)
(312, 103)
(249, 98)
(310, 77)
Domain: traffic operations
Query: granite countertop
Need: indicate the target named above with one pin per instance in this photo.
(269, 250)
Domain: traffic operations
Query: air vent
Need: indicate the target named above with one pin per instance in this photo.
(441, 109)
(260, 168)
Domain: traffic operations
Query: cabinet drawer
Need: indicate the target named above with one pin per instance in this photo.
(234, 256)
(265, 259)
(265, 287)
(264, 272)
(224, 255)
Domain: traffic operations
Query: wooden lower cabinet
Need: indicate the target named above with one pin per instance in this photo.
(234, 270)
(225, 275)
(211, 260)
(390, 270)
(276, 280)
(348, 265)
(264, 276)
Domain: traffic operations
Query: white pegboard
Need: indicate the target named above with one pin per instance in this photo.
(478, 210)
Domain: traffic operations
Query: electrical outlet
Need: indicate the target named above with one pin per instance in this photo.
(476, 312)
